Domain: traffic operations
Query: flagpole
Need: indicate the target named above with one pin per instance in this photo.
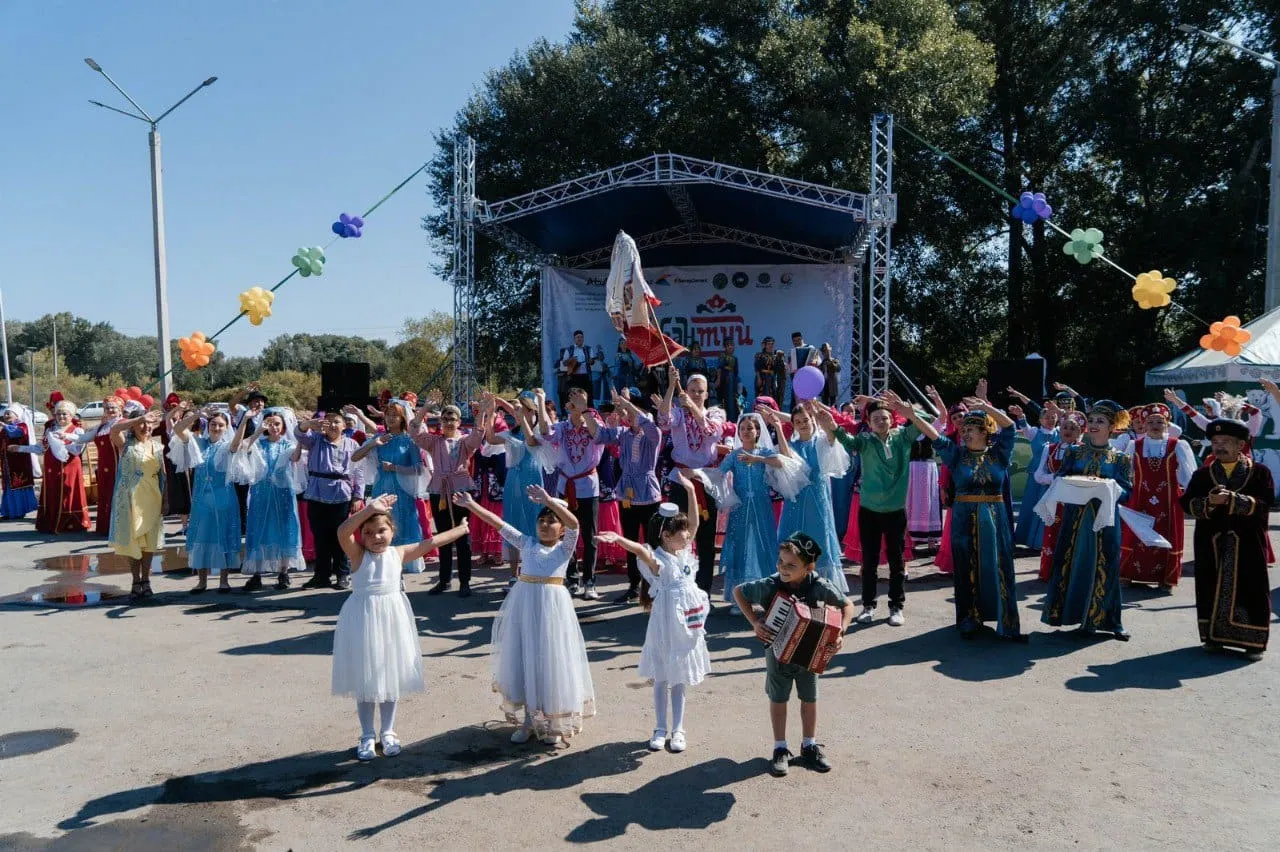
(4, 344)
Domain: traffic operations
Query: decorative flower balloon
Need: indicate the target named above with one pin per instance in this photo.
(310, 261)
(196, 351)
(1032, 207)
(133, 393)
(1226, 337)
(1152, 290)
(256, 302)
(347, 226)
(1084, 245)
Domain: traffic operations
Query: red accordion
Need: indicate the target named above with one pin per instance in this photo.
(803, 635)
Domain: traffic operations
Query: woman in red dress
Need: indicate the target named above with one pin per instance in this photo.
(108, 457)
(63, 507)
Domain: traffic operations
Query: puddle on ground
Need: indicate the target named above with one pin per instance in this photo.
(21, 743)
(171, 559)
(68, 592)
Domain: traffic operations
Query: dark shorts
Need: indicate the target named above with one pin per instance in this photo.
(778, 678)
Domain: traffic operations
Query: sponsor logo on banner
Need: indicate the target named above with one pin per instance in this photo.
(764, 279)
(663, 281)
(596, 281)
(786, 281)
(740, 279)
(720, 281)
(710, 332)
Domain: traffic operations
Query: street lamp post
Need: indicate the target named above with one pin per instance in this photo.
(157, 217)
(1273, 210)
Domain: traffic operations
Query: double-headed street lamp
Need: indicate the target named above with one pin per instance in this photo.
(157, 216)
(1273, 214)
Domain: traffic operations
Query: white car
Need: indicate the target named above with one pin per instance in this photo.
(91, 411)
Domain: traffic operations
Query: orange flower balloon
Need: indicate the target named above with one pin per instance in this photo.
(1226, 337)
(196, 351)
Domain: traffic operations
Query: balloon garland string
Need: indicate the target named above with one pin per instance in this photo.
(944, 155)
(211, 338)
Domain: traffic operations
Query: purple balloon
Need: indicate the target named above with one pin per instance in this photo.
(808, 383)
(337, 228)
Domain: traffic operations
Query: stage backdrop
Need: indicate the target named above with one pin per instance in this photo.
(708, 305)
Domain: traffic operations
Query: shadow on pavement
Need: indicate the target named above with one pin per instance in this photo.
(1166, 670)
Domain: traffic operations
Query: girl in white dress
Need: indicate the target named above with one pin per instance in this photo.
(538, 656)
(376, 655)
(675, 644)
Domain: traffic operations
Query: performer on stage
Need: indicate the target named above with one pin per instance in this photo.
(727, 382)
(981, 541)
(801, 355)
(17, 466)
(750, 469)
(814, 441)
(213, 538)
(63, 507)
(1162, 467)
(137, 516)
(1230, 500)
(107, 458)
(638, 445)
(626, 367)
(831, 375)
(547, 695)
(574, 367)
(674, 656)
(796, 576)
(1070, 427)
(771, 371)
(885, 452)
(696, 432)
(1084, 580)
(579, 443)
(694, 363)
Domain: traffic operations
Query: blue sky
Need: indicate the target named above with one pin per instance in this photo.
(320, 107)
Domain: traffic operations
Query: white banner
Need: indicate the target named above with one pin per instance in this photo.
(708, 305)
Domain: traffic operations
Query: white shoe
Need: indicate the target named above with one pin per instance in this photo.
(521, 736)
(591, 594)
(867, 614)
(677, 741)
(895, 618)
(390, 744)
(658, 740)
(364, 749)
(550, 740)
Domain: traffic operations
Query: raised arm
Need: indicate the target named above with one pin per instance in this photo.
(370, 446)
(908, 411)
(691, 493)
(239, 439)
(182, 429)
(664, 407)
(635, 548)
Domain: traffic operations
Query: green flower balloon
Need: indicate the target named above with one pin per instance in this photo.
(310, 261)
(1084, 245)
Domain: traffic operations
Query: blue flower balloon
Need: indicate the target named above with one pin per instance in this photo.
(1032, 207)
(348, 226)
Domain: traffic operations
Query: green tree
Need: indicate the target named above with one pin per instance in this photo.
(307, 352)
(420, 360)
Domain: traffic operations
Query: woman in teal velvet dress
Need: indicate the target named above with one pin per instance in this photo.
(981, 538)
(1084, 577)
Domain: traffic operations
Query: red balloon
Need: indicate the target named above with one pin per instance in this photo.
(122, 393)
(146, 400)
(135, 392)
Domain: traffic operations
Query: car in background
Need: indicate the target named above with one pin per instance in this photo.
(91, 411)
(40, 418)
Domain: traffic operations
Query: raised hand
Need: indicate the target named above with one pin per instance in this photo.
(1016, 412)
(1017, 394)
(981, 390)
(538, 494)
(1267, 385)
(1172, 398)
(383, 439)
(463, 499)
(382, 503)
(607, 537)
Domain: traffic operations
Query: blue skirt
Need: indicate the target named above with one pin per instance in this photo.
(18, 502)
(213, 534)
(811, 513)
(750, 548)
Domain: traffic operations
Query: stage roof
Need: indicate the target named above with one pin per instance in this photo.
(682, 211)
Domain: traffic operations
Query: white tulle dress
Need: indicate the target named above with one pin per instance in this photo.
(675, 643)
(538, 655)
(376, 655)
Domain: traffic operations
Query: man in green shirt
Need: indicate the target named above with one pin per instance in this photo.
(885, 453)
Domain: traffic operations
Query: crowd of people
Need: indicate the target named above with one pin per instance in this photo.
(782, 500)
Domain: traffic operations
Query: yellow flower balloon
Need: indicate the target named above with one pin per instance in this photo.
(256, 302)
(196, 351)
(1152, 290)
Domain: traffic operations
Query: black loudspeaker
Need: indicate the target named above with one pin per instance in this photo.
(343, 383)
(1024, 374)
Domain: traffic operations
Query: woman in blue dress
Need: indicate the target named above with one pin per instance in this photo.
(981, 541)
(1084, 577)
(751, 536)
(1030, 530)
(400, 471)
(213, 533)
(528, 462)
(810, 512)
(273, 539)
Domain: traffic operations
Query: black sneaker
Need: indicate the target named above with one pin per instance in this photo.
(255, 583)
(439, 588)
(629, 596)
(282, 581)
(781, 763)
(813, 757)
(316, 583)
(464, 592)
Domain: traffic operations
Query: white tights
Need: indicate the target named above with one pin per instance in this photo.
(660, 690)
(364, 709)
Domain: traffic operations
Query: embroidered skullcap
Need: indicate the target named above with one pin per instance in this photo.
(806, 545)
(668, 510)
(978, 417)
(1113, 411)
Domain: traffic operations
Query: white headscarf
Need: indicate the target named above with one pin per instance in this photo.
(765, 441)
(28, 419)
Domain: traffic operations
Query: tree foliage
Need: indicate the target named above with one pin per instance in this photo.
(1128, 124)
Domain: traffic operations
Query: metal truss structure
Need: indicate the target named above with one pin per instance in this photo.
(875, 213)
(881, 215)
(461, 218)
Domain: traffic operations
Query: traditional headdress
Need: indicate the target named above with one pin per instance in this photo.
(764, 442)
(1075, 417)
(668, 510)
(54, 398)
(410, 397)
(1142, 412)
(171, 400)
(1227, 427)
(1113, 411)
(805, 544)
(1064, 400)
(978, 417)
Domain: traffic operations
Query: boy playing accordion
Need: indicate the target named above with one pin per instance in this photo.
(797, 562)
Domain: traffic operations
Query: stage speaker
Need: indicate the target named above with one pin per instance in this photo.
(343, 383)
(1025, 374)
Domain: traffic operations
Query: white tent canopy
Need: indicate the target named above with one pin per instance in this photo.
(1259, 358)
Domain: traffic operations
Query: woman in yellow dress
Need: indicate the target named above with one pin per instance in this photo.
(137, 520)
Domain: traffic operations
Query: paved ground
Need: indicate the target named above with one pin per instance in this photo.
(205, 723)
